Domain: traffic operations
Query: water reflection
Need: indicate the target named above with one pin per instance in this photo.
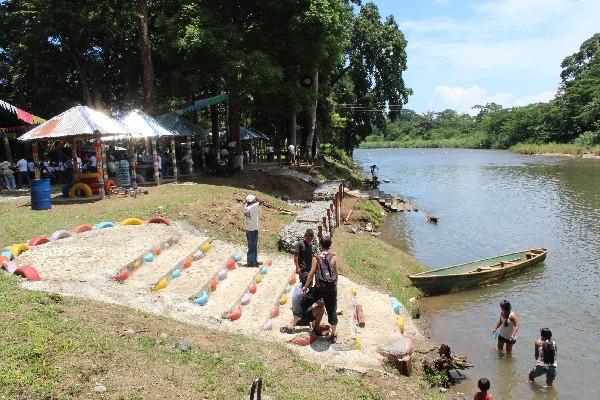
(491, 203)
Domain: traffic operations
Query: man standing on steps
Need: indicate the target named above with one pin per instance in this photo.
(303, 255)
(250, 210)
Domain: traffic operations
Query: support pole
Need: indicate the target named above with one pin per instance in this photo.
(329, 218)
(155, 169)
(320, 232)
(36, 160)
(174, 157)
(336, 206)
(133, 164)
(74, 160)
(189, 149)
(7, 153)
(100, 167)
(324, 222)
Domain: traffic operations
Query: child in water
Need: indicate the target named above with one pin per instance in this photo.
(545, 355)
(484, 386)
(509, 326)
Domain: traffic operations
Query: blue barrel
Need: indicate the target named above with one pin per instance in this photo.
(40, 194)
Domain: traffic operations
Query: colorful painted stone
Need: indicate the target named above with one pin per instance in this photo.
(176, 273)
(149, 257)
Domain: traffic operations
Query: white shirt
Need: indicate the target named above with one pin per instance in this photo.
(22, 165)
(79, 163)
(291, 148)
(93, 161)
(251, 215)
(270, 149)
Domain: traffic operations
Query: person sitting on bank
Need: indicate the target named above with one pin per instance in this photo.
(325, 276)
(509, 326)
(484, 385)
(304, 252)
(306, 310)
(545, 355)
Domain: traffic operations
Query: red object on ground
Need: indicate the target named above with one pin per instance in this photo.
(157, 251)
(275, 312)
(213, 285)
(301, 341)
(4, 260)
(36, 241)
(82, 228)
(187, 263)
(252, 288)
(230, 264)
(108, 184)
(121, 276)
(28, 272)
(159, 220)
(236, 314)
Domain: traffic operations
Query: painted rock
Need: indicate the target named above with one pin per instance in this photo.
(205, 248)
(11, 267)
(401, 323)
(104, 224)
(283, 299)
(60, 234)
(3, 260)
(275, 312)
(395, 305)
(252, 288)
(237, 256)
(202, 299)
(161, 284)
(269, 262)
(213, 285)
(17, 249)
(7, 254)
(197, 255)
(236, 314)
(245, 299)
(354, 291)
(258, 278)
(157, 251)
(121, 276)
(268, 325)
(222, 274)
(187, 263)
(288, 288)
(149, 257)
(137, 263)
(176, 273)
(264, 270)
(231, 264)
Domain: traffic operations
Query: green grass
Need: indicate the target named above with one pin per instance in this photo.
(555, 148)
(474, 142)
(371, 210)
(368, 260)
(51, 348)
(179, 202)
(330, 168)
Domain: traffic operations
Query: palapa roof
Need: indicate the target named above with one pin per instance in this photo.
(76, 122)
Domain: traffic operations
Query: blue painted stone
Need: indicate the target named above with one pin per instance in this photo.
(176, 273)
(202, 299)
(149, 257)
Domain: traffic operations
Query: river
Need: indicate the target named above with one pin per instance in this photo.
(495, 202)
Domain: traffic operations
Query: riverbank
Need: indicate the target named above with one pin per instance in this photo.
(103, 339)
(557, 149)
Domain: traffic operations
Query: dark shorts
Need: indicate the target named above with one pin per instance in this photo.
(307, 318)
(540, 370)
(330, 299)
(507, 341)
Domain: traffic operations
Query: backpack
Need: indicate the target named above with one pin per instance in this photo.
(326, 275)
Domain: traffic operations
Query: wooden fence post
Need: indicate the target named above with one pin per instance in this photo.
(320, 232)
(329, 218)
(324, 222)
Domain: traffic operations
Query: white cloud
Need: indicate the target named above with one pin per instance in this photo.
(463, 99)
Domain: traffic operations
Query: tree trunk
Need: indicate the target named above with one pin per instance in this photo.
(145, 53)
(234, 122)
(291, 124)
(312, 117)
(214, 122)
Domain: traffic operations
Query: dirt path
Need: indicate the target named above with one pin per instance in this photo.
(83, 265)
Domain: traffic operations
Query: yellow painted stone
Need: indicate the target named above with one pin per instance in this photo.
(354, 291)
(283, 299)
(17, 249)
(205, 248)
(258, 278)
(137, 264)
(401, 323)
(356, 344)
(161, 284)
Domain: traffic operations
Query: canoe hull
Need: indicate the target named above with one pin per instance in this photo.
(438, 284)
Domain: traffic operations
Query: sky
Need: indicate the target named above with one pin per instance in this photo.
(462, 53)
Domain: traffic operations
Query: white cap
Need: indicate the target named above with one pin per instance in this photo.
(250, 198)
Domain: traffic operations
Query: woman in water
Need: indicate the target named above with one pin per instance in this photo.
(545, 355)
(509, 326)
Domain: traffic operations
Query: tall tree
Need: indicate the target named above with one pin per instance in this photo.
(146, 57)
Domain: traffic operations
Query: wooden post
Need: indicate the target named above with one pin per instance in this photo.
(155, 171)
(189, 149)
(320, 232)
(174, 158)
(133, 164)
(324, 222)
(335, 206)
(338, 216)
(74, 159)
(329, 218)
(36, 160)
(7, 153)
(341, 190)
(100, 166)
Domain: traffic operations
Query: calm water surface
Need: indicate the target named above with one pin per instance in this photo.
(495, 202)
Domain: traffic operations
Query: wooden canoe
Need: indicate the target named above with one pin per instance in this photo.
(476, 273)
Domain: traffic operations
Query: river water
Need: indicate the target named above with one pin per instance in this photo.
(495, 202)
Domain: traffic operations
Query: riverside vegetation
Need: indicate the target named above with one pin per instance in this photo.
(568, 124)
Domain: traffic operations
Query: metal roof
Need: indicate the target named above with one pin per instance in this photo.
(77, 121)
(145, 126)
(179, 125)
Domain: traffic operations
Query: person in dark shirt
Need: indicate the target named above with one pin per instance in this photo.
(303, 255)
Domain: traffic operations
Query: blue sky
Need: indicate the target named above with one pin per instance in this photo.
(462, 53)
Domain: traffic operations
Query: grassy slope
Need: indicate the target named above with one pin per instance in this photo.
(367, 259)
(55, 346)
(209, 207)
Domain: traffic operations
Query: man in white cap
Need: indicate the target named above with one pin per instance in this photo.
(250, 210)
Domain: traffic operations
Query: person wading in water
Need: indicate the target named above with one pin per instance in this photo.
(509, 326)
(545, 354)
